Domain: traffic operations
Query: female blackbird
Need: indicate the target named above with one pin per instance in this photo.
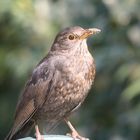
(58, 84)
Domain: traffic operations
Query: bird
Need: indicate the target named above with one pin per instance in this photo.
(58, 85)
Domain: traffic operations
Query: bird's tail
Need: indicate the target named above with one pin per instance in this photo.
(24, 131)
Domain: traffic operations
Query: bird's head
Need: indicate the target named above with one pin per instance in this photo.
(72, 37)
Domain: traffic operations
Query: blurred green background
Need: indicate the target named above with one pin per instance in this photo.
(27, 30)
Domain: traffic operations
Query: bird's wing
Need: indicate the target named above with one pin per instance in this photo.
(33, 97)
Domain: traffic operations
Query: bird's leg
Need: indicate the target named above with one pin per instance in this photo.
(74, 133)
(38, 135)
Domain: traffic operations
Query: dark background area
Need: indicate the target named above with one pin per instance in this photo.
(27, 30)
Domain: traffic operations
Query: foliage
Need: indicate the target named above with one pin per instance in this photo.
(27, 29)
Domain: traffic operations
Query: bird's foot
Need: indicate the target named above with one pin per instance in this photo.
(39, 137)
(37, 134)
(76, 136)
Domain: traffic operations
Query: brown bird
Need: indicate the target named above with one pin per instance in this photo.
(58, 85)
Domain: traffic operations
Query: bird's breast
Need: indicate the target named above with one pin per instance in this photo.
(71, 88)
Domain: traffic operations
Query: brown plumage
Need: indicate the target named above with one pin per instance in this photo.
(58, 85)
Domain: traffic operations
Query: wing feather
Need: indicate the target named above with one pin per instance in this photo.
(33, 96)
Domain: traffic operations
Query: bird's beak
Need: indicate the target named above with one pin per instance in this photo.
(89, 32)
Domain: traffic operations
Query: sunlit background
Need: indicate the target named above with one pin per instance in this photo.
(27, 30)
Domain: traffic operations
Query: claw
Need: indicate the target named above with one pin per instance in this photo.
(74, 134)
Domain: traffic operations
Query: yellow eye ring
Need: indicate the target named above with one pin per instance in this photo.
(71, 37)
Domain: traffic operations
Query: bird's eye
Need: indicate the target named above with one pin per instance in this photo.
(71, 37)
